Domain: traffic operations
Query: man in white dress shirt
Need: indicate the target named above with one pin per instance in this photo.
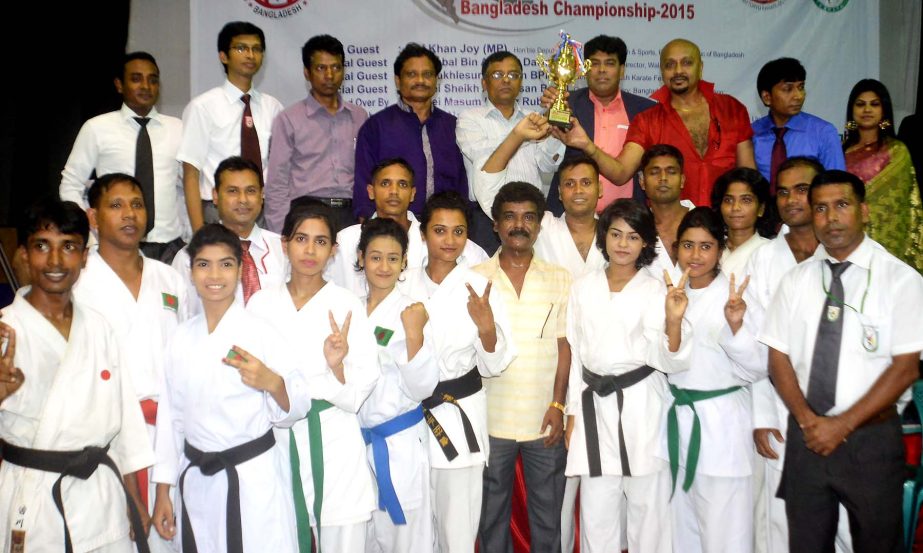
(503, 143)
(229, 120)
(109, 143)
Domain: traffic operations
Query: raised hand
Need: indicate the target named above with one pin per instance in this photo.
(336, 346)
(252, 371)
(676, 301)
(575, 137)
(735, 307)
(11, 378)
(479, 309)
(532, 127)
(414, 318)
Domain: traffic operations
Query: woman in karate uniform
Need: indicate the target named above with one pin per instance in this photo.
(616, 451)
(742, 198)
(707, 434)
(392, 417)
(470, 338)
(324, 327)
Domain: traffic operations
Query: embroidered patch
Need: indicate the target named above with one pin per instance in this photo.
(233, 354)
(105, 374)
(383, 335)
(170, 301)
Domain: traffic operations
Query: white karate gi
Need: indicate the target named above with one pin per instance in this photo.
(342, 268)
(77, 393)
(735, 262)
(716, 514)
(349, 496)
(272, 266)
(556, 245)
(142, 327)
(457, 484)
(631, 325)
(205, 403)
(401, 388)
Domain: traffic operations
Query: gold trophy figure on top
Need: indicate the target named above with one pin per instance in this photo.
(563, 69)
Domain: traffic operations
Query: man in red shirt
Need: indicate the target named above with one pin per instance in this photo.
(711, 130)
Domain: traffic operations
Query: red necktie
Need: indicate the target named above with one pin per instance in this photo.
(249, 278)
(779, 155)
(249, 141)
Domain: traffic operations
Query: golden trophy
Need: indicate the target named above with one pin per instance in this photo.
(562, 69)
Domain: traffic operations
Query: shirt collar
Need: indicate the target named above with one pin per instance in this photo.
(313, 106)
(494, 111)
(662, 94)
(127, 113)
(614, 105)
(256, 240)
(233, 93)
(861, 256)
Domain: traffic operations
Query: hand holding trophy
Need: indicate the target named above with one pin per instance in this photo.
(563, 68)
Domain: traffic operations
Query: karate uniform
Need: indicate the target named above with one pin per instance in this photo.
(205, 404)
(735, 262)
(77, 393)
(716, 514)
(142, 327)
(348, 490)
(556, 245)
(342, 268)
(400, 389)
(631, 324)
(457, 484)
(766, 267)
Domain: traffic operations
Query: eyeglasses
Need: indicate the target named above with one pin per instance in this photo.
(511, 75)
(246, 48)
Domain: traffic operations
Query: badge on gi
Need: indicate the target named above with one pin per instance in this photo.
(869, 338)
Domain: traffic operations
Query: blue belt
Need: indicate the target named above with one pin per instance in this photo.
(387, 497)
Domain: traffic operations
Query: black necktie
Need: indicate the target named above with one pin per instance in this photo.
(249, 141)
(826, 359)
(144, 169)
(779, 155)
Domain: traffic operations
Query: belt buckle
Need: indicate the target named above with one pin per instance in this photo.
(340, 202)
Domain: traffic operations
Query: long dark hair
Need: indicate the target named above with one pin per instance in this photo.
(887, 111)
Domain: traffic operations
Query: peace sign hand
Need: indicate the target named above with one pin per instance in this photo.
(735, 307)
(336, 347)
(676, 301)
(479, 309)
(11, 378)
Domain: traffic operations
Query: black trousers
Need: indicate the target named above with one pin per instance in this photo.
(865, 474)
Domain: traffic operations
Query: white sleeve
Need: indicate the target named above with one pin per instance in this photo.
(575, 378)
(193, 148)
(764, 405)
(776, 322)
(420, 375)
(279, 360)
(749, 357)
(494, 363)
(548, 154)
(75, 178)
(131, 448)
(169, 435)
(659, 355)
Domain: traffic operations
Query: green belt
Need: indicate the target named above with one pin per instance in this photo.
(315, 440)
(683, 396)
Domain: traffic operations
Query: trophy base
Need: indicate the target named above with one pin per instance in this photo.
(560, 118)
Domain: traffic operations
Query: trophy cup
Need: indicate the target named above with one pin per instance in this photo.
(562, 69)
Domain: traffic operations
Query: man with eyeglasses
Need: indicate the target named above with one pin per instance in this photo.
(313, 140)
(503, 143)
(233, 119)
(413, 129)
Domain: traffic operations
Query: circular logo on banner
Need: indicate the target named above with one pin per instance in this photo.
(831, 5)
(276, 9)
(764, 4)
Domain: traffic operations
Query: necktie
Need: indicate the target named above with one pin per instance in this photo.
(249, 278)
(826, 359)
(779, 155)
(249, 141)
(144, 169)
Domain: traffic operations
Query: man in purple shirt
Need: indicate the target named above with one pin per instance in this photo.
(413, 129)
(313, 140)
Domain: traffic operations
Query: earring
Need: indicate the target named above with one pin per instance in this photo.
(851, 125)
(885, 124)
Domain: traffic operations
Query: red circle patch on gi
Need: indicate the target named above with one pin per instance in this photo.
(105, 375)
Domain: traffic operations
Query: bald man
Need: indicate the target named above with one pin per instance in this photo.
(711, 130)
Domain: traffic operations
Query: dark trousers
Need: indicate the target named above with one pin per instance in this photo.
(544, 476)
(865, 474)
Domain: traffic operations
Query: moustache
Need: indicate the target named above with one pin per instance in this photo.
(519, 232)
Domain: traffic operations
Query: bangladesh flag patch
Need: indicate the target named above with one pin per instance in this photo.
(383, 335)
(170, 301)
(233, 354)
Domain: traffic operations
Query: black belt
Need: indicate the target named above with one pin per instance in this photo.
(212, 463)
(78, 464)
(604, 386)
(450, 391)
(339, 203)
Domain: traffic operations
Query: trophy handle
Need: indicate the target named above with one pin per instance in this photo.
(587, 65)
(544, 65)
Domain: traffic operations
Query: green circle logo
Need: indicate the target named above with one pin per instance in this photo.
(831, 6)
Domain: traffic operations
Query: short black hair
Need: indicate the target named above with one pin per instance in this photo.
(765, 223)
(388, 162)
(639, 218)
(782, 70)
(237, 28)
(836, 176)
(582, 159)
(414, 50)
(447, 199)
(517, 192)
(102, 185)
(498, 56)
(810, 162)
(321, 43)
(608, 45)
(380, 226)
(235, 164)
(661, 150)
(132, 56)
(308, 208)
(50, 212)
(704, 218)
(214, 234)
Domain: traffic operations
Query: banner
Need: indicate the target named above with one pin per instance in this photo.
(836, 41)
